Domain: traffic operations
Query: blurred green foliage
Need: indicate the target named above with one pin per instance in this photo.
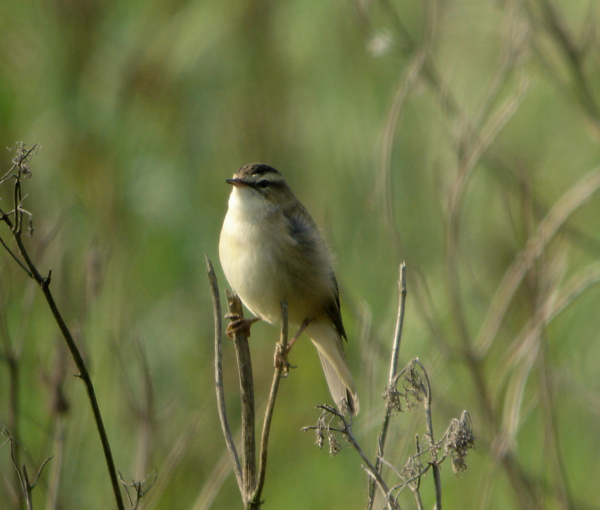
(438, 133)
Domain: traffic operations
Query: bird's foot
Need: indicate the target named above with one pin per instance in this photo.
(239, 323)
(280, 359)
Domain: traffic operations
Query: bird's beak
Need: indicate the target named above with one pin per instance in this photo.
(236, 182)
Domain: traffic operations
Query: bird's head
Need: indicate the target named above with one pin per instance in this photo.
(259, 187)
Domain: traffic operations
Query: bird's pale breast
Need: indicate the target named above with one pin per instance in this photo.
(261, 268)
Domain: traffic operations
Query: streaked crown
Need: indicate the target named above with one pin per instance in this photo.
(264, 179)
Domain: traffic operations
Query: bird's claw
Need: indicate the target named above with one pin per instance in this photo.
(239, 323)
(280, 359)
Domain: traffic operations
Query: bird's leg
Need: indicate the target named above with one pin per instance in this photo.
(281, 352)
(298, 333)
(239, 323)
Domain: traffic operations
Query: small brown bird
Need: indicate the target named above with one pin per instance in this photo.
(271, 250)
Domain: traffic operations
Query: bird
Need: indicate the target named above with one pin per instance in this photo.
(271, 250)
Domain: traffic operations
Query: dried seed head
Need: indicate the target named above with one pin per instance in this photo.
(414, 389)
(334, 445)
(321, 424)
(459, 440)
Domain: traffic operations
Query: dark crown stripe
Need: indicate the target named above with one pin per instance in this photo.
(256, 169)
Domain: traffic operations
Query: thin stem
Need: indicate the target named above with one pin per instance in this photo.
(44, 283)
(399, 323)
(435, 465)
(26, 486)
(244, 362)
(250, 481)
(85, 376)
(346, 430)
(393, 370)
(212, 278)
(264, 441)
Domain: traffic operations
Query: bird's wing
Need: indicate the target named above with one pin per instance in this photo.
(333, 310)
(305, 232)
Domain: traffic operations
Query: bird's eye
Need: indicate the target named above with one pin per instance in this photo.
(262, 184)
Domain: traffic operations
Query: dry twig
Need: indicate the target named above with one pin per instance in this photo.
(250, 479)
(13, 219)
(392, 374)
(26, 485)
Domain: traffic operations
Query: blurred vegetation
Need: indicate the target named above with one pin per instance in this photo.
(445, 134)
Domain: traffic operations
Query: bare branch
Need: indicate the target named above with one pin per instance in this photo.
(434, 460)
(244, 363)
(346, 430)
(140, 488)
(21, 162)
(393, 369)
(214, 287)
(250, 480)
(26, 486)
(280, 370)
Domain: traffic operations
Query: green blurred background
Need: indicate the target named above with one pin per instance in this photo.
(437, 133)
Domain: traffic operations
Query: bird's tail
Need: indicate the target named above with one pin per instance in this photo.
(341, 385)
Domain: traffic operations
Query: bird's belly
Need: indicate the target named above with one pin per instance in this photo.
(251, 268)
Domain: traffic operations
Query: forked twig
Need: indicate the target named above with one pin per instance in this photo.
(21, 164)
(250, 480)
(26, 485)
(140, 489)
(346, 429)
(235, 461)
